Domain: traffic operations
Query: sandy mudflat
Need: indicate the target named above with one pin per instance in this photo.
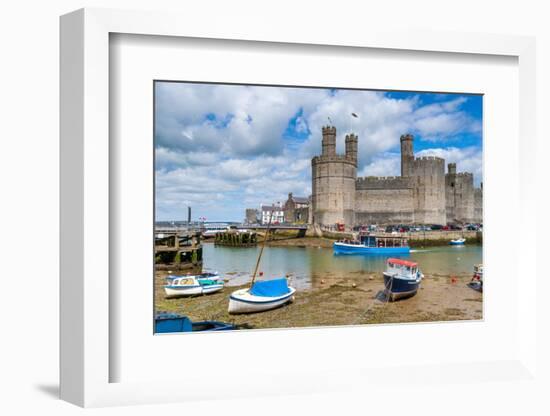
(340, 300)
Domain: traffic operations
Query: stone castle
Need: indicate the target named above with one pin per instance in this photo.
(423, 194)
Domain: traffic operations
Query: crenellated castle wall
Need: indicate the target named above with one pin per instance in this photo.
(383, 182)
(423, 194)
(384, 200)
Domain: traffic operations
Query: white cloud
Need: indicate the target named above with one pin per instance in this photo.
(247, 120)
(219, 144)
(251, 182)
(386, 164)
(467, 159)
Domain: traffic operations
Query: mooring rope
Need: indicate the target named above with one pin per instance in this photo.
(388, 297)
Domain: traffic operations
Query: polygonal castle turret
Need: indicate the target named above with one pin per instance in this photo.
(333, 180)
(452, 168)
(351, 147)
(329, 140)
(407, 154)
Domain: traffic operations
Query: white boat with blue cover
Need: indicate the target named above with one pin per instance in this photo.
(263, 295)
(457, 242)
(372, 244)
(192, 285)
(401, 279)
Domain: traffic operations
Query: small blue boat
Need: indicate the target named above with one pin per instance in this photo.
(457, 242)
(172, 322)
(371, 244)
(401, 279)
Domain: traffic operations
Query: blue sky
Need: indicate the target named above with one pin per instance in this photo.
(223, 148)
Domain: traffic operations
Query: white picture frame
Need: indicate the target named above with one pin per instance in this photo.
(85, 206)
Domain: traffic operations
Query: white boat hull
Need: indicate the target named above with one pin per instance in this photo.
(192, 290)
(211, 289)
(241, 301)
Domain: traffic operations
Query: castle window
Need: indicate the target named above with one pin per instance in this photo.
(452, 184)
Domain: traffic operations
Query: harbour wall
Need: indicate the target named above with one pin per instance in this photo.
(435, 237)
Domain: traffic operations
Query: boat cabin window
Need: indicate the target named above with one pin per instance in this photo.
(369, 241)
(403, 269)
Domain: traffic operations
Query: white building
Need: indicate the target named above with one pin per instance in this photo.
(276, 212)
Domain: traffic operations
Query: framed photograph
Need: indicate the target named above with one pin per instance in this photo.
(290, 213)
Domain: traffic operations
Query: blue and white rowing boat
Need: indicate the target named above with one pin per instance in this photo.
(192, 285)
(371, 244)
(401, 279)
(457, 242)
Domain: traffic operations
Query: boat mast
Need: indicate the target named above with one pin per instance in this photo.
(263, 245)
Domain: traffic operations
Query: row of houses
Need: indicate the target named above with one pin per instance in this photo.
(295, 210)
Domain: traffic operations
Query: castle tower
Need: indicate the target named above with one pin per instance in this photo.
(452, 168)
(450, 194)
(351, 147)
(329, 141)
(478, 204)
(459, 195)
(407, 154)
(333, 181)
(429, 177)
